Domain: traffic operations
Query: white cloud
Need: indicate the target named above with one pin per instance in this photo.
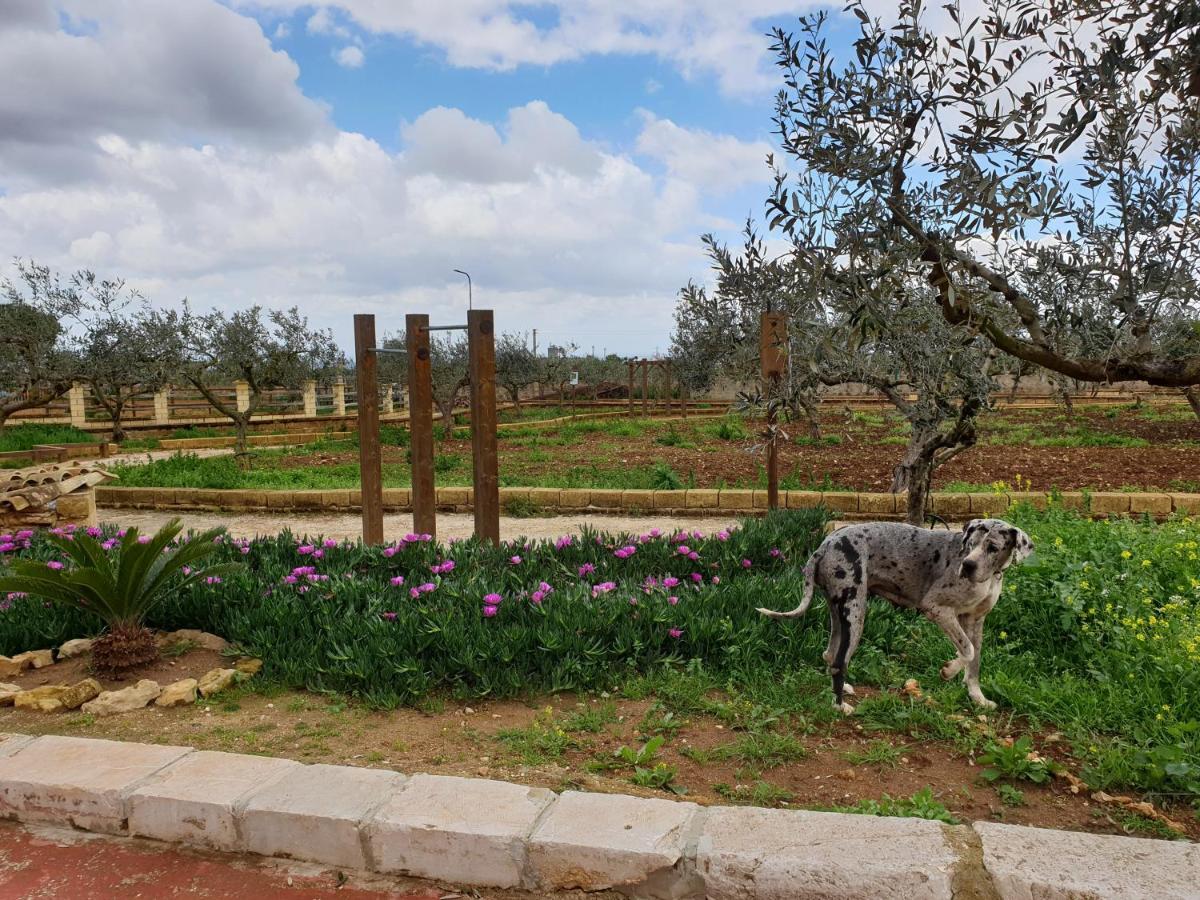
(144, 71)
(282, 32)
(716, 163)
(350, 57)
(698, 37)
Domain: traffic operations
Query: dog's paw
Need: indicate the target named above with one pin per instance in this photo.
(983, 702)
(952, 668)
(844, 708)
(848, 689)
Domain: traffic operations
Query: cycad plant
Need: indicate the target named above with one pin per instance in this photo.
(120, 581)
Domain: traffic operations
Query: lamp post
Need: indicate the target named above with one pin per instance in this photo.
(470, 299)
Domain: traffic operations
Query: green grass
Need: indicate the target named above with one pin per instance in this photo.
(881, 754)
(921, 805)
(15, 438)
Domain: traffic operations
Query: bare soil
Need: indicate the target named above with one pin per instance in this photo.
(453, 738)
(866, 454)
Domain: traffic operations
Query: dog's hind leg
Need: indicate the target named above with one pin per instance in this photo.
(975, 632)
(850, 608)
(835, 638)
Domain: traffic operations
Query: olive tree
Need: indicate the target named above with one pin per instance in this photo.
(516, 366)
(39, 358)
(1035, 127)
(264, 348)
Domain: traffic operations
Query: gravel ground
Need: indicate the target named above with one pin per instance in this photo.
(450, 525)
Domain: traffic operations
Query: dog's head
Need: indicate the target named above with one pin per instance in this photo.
(989, 546)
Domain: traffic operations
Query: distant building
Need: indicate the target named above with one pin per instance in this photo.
(556, 352)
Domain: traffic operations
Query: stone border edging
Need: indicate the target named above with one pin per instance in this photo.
(845, 505)
(484, 833)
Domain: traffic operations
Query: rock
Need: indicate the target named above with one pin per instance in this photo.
(125, 700)
(39, 659)
(216, 680)
(79, 694)
(249, 667)
(74, 648)
(13, 666)
(179, 693)
(42, 699)
(201, 638)
(8, 692)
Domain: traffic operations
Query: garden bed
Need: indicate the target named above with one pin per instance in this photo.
(1093, 653)
(1153, 448)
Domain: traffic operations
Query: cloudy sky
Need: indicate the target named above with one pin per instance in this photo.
(346, 157)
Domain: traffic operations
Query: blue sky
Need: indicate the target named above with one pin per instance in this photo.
(346, 157)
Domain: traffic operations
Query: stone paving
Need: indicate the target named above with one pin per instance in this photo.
(478, 833)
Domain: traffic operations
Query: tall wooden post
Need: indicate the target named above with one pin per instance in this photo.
(369, 464)
(631, 390)
(666, 367)
(420, 424)
(645, 364)
(481, 347)
(773, 362)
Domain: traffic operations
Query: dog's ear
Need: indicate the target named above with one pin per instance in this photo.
(969, 529)
(1023, 546)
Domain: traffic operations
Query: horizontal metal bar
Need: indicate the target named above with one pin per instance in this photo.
(386, 350)
(447, 328)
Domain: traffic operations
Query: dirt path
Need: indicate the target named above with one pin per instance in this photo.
(450, 525)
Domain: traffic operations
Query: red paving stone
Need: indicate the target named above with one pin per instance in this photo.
(45, 865)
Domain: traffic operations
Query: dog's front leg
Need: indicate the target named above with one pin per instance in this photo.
(975, 632)
(947, 620)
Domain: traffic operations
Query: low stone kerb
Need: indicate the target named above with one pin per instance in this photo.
(600, 841)
(462, 830)
(81, 782)
(194, 801)
(764, 853)
(1062, 865)
(314, 812)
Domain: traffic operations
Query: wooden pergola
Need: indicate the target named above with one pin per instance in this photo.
(645, 365)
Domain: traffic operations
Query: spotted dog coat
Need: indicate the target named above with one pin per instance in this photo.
(952, 578)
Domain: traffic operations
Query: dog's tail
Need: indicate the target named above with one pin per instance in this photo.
(810, 569)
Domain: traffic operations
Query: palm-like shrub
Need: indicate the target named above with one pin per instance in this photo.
(120, 582)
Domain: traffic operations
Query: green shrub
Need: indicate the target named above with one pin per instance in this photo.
(15, 438)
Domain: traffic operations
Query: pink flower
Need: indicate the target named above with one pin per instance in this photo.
(545, 588)
(746, 564)
(603, 588)
(515, 560)
(675, 632)
(187, 570)
(414, 593)
(143, 538)
(123, 531)
(329, 543)
(674, 601)
(776, 552)
(109, 544)
(305, 549)
(390, 616)
(716, 579)
(563, 542)
(655, 532)
(425, 538)
(489, 611)
(389, 552)
(670, 581)
(213, 579)
(697, 577)
(398, 581)
(94, 532)
(411, 538)
(625, 552)
(586, 569)
(54, 564)
(443, 567)
(633, 601)
(427, 587)
(723, 535)
(693, 556)
(537, 597)
(492, 599)
(318, 554)
(683, 550)
(7, 546)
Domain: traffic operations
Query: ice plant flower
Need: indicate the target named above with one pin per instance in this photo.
(603, 588)
(329, 543)
(697, 577)
(515, 560)
(776, 553)
(675, 632)
(492, 599)
(746, 564)
(389, 552)
(586, 569)
(693, 556)
(305, 549)
(670, 581)
(109, 544)
(398, 581)
(674, 601)
(93, 532)
(489, 611)
(625, 552)
(213, 579)
(723, 534)
(427, 587)
(716, 579)
(54, 564)
(390, 616)
(143, 538)
(414, 593)
(545, 588)
(683, 550)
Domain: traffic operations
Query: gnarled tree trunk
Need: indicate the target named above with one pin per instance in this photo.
(1193, 399)
(928, 448)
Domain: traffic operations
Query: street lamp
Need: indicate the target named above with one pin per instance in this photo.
(470, 300)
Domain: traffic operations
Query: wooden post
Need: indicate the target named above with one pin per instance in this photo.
(666, 367)
(420, 424)
(369, 461)
(773, 361)
(631, 389)
(481, 347)
(645, 364)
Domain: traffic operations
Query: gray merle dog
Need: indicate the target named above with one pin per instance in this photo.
(952, 578)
